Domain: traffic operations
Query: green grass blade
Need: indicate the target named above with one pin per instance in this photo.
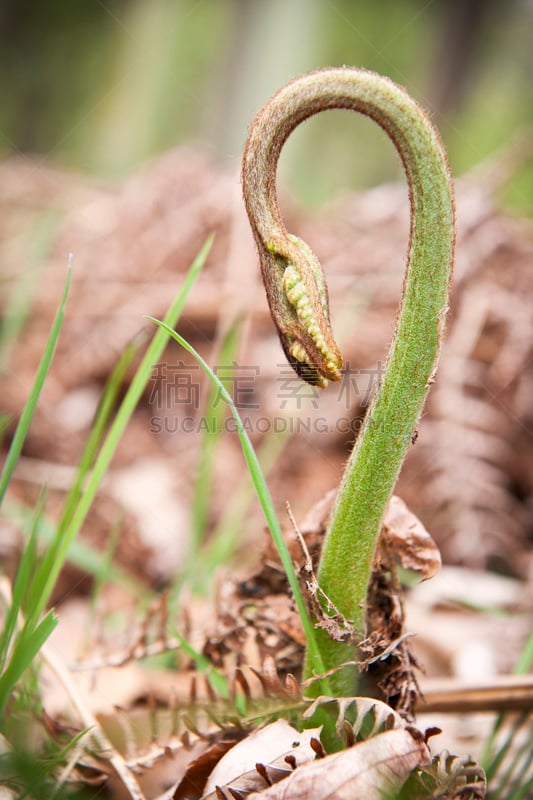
(34, 632)
(522, 667)
(26, 647)
(215, 412)
(526, 657)
(517, 770)
(266, 504)
(4, 422)
(103, 414)
(21, 585)
(80, 554)
(29, 408)
(225, 538)
(55, 557)
(497, 759)
(524, 792)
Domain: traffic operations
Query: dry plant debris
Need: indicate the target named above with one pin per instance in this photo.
(471, 468)
(469, 475)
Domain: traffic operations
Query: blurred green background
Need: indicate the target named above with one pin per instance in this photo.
(102, 85)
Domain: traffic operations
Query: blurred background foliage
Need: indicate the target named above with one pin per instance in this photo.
(102, 85)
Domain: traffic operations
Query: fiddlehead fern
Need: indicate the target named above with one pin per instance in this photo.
(297, 295)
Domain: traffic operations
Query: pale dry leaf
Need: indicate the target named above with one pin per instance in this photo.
(471, 587)
(408, 541)
(265, 746)
(369, 769)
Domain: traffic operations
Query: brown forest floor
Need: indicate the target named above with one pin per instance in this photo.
(469, 476)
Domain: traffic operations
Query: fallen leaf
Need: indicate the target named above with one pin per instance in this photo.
(198, 771)
(370, 769)
(276, 741)
(408, 542)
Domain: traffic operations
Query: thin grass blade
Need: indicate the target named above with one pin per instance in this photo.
(80, 554)
(225, 538)
(31, 403)
(21, 585)
(214, 413)
(265, 499)
(55, 557)
(26, 647)
(103, 414)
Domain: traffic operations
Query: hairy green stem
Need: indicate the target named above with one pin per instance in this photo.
(298, 301)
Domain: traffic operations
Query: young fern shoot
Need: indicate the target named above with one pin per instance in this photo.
(297, 295)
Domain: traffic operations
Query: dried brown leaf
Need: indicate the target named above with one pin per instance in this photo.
(193, 783)
(270, 746)
(370, 769)
(408, 542)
